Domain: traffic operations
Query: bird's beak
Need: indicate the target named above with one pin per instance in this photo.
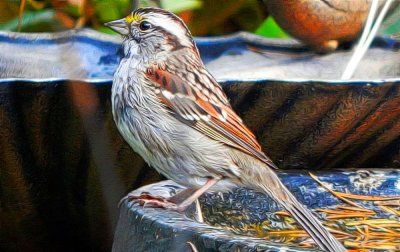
(120, 26)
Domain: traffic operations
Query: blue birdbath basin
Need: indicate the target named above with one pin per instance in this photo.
(65, 166)
(244, 220)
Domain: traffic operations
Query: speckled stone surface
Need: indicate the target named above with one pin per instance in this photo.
(152, 229)
(158, 230)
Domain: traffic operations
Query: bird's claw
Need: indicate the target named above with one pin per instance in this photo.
(146, 199)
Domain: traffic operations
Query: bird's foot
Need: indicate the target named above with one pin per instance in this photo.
(146, 199)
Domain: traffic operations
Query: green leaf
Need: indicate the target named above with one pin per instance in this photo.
(179, 5)
(107, 10)
(391, 25)
(269, 28)
(30, 18)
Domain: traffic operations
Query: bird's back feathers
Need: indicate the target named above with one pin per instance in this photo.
(199, 101)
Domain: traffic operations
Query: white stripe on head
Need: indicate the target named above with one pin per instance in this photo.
(172, 24)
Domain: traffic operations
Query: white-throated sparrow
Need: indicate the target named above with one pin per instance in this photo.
(173, 113)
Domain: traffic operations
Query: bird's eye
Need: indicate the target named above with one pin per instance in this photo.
(145, 26)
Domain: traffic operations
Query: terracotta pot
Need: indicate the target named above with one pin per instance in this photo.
(321, 24)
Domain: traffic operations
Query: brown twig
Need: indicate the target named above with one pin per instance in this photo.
(333, 192)
(21, 14)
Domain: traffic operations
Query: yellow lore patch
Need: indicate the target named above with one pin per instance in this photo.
(133, 18)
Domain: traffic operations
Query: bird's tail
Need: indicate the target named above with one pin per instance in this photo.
(270, 183)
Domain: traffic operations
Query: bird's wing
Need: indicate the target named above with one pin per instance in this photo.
(198, 100)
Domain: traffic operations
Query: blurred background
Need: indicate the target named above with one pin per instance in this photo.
(58, 191)
(204, 17)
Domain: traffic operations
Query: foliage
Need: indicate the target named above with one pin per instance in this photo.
(392, 23)
(204, 17)
(179, 5)
(269, 28)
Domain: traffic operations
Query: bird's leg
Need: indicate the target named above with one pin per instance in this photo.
(182, 195)
(189, 200)
(178, 202)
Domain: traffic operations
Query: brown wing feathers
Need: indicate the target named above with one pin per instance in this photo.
(204, 107)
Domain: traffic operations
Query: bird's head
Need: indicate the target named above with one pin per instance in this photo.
(153, 30)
